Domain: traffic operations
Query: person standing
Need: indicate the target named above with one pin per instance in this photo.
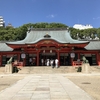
(47, 62)
(34, 61)
(42, 62)
(30, 61)
(56, 63)
(51, 63)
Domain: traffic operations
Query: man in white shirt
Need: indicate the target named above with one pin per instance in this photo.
(47, 62)
(56, 63)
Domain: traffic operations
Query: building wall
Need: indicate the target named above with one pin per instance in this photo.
(64, 57)
(82, 27)
(2, 23)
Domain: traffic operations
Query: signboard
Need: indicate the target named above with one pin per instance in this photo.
(63, 54)
(88, 55)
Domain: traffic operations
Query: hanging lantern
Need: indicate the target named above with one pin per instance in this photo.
(43, 51)
(50, 51)
(72, 55)
(23, 55)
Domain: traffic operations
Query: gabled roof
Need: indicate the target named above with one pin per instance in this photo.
(93, 45)
(61, 36)
(4, 47)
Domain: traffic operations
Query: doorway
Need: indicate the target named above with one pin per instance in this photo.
(65, 59)
(43, 57)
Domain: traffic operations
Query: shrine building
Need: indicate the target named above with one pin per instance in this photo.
(50, 44)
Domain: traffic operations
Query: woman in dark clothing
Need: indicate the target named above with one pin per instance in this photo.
(53, 64)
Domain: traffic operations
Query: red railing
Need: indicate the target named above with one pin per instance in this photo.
(18, 64)
(76, 63)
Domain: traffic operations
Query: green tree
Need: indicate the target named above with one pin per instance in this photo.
(19, 33)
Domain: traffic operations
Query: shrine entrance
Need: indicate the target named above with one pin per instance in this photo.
(65, 59)
(43, 57)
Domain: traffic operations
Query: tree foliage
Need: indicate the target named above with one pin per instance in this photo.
(19, 33)
(86, 33)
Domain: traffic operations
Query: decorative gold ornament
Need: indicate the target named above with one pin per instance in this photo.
(65, 44)
(47, 42)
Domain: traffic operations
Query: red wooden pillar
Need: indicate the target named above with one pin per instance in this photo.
(37, 58)
(72, 61)
(98, 58)
(19, 57)
(24, 62)
(0, 60)
(78, 56)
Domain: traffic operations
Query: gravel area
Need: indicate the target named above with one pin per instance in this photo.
(90, 84)
(6, 81)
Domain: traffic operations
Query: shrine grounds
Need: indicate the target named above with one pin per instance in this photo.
(90, 82)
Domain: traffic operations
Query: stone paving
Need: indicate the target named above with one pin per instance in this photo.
(44, 87)
(50, 84)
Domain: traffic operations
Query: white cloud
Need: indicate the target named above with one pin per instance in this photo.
(51, 16)
(96, 18)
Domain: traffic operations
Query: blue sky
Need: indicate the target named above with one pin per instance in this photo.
(69, 12)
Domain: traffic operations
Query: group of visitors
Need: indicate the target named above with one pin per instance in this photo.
(32, 61)
(54, 63)
(48, 62)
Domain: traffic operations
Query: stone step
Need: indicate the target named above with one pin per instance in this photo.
(2, 70)
(95, 68)
(47, 70)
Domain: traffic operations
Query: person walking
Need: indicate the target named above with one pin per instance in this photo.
(30, 61)
(47, 62)
(42, 62)
(51, 63)
(56, 63)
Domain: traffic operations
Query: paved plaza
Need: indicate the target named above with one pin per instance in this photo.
(44, 87)
(58, 86)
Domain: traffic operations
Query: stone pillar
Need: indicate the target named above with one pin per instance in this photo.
(8, 68)
(86, 68)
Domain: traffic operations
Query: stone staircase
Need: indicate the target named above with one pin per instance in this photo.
(2, 70)
(95, 69)
(50, 70)
(47, 70)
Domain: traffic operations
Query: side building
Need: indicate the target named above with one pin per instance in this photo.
(82, 27)
(50, 44)
(2, 22)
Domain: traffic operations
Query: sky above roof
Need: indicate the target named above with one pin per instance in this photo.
(69, 12)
